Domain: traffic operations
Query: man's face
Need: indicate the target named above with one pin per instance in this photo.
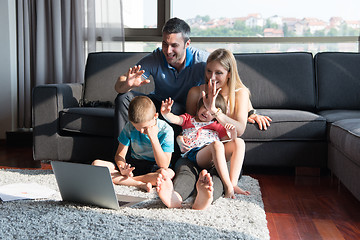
(174, 48)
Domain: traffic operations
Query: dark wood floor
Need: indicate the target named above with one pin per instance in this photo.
(297, 207)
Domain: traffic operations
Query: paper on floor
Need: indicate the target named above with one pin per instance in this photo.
(20, 191)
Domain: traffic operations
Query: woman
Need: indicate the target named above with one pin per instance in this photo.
(221, 76)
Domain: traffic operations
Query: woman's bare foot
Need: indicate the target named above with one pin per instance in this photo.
(205, 191)
(165, 190)
(238, 190)
(229, 192)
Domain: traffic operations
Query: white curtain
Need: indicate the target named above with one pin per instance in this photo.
(104, 25)
(54, 37)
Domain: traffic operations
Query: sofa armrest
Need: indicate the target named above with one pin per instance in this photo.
(47, 101)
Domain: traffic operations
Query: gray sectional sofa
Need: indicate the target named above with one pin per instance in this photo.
(314, 102)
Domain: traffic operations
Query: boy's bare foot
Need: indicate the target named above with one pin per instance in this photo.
(238, 190)
(165, 190)
(205, 191)
(146, 187)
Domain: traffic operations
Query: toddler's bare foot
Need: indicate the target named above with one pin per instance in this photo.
(165, 190)
(238, 190)
(205, 191)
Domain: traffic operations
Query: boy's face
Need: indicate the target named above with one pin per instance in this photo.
(142, 127)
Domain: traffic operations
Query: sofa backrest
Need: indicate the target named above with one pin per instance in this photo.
(338, 80)
(103, 69)
(279, 80)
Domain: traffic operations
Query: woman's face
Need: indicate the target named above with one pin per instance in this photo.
(216, 72)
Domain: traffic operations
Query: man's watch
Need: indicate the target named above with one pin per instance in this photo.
(251, 112)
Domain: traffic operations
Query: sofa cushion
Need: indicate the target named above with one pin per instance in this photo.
(338, 80)
(87, 120)
(103, 69)
(336, 115)
(344, 135)
(288, 125)
(279, 80)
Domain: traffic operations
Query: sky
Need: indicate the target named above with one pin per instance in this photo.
(321, 9)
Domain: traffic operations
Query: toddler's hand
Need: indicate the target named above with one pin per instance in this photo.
(182, 145)
(166, 106)
(231, 129)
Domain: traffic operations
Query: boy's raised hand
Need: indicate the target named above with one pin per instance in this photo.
(166, 106)
(231, 129)
(127, 170)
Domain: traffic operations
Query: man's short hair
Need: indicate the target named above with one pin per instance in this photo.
(177, 25)
(141, 109)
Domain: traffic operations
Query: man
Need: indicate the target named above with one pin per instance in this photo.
(175, 68)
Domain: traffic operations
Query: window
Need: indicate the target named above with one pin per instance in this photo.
(272, 25)
(270, 18)
(140, 13)
(248, 25)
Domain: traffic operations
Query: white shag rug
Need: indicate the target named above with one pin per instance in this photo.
(240, 218)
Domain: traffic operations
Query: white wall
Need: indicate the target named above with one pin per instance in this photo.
(8, 75)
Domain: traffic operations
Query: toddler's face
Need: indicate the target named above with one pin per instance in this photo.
(204, 115)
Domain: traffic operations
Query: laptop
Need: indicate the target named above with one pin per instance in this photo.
(90, 185)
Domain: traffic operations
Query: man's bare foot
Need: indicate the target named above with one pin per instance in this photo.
(165, 190)
(205, 191)
(238, 190)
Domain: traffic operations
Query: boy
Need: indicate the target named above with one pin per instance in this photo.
(151, 141)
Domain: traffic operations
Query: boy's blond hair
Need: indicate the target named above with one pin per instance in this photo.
(141, 109)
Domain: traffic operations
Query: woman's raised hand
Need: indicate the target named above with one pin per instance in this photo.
(210, 97)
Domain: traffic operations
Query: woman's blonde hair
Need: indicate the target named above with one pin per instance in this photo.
(227, 61)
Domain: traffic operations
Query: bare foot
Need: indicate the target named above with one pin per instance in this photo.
(205, 191)
(146, 187)
(165, 190)
(229, 192)
(238, 190)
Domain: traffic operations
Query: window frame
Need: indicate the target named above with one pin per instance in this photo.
(164, 13)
